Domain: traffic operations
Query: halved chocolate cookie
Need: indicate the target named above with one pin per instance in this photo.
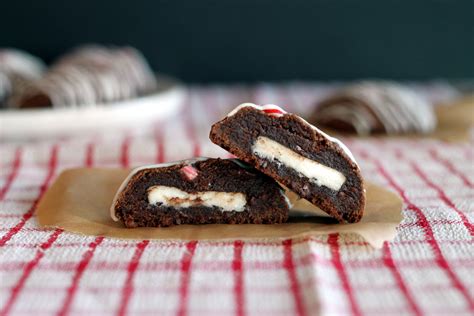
(199, 191)
(284, 146)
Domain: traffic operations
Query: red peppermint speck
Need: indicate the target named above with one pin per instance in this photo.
(274, 111)
(189, 172)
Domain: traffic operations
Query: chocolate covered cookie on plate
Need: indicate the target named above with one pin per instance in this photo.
(89, 76)
(375, 107)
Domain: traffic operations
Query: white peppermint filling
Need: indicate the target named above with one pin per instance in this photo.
(320, 174)
(171, 196)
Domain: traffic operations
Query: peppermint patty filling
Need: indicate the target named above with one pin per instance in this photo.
(174, 197)
(316, 172)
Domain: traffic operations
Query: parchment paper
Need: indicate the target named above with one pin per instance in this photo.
(455, 120)
(79, 202)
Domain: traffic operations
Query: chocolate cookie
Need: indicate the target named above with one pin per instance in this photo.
(314, 165)
(375, 107)
(88, 76)
(17, 70)
(199, 191)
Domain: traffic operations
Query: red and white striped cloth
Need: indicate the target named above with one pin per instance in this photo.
(427, 269)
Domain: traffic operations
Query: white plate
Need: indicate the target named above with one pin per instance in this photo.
(41, 123)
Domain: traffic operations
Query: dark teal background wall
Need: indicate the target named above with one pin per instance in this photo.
(245, 40)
